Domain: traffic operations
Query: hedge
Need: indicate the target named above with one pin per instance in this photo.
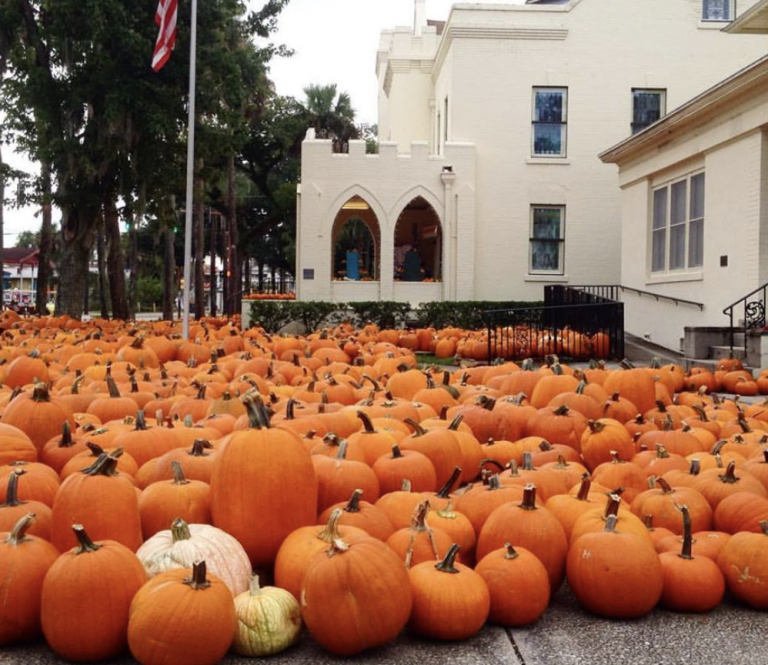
(468, 314)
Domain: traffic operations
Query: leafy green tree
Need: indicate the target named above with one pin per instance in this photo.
(28, 239)
(331, 114)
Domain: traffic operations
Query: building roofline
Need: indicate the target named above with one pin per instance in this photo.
(748, 22)
(690, 112)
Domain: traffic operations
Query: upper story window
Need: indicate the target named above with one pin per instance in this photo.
(550, 116)
(677, 234)
(647, 107)
(717, 10)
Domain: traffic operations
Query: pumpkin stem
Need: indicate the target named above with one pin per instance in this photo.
(610, 523)
(85, 544)
(396, 452)
(545, 446)
(488, 403)
(444, 412)
(141, 421)
(665, 487)
(648, 521)
(178, 474)
(764, 526)
(418, 430)
(586, 485)
(253, 586)
(686, 552)
(40, 392)
(180, 530)
(342, 453)
(105, 464)
(12, 492)
(528, 461)
(529, 497)
(114, 392)
(447, 565)
(331, 530)
(66, 436)
(19, 532)
(353, 505)
(695, 468)
(730, 474)
(338, 546)
(198, 579)
(510, 553)
(456, 422)
(612, 506)
(595, 426)
(580, 387)
(662, 408)
(661, 451)
(406, 486)
(445, 491)
(199, 447)
(562, 410)
(367, 422)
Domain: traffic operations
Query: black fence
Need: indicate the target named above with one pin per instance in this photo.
(573, 324)
(750, 314)
(274, 286)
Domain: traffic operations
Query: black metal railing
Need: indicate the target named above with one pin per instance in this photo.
(613, 292)
(592, 328)
(752, 306)
(274, 286)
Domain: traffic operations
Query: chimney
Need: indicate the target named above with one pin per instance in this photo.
(419, 16)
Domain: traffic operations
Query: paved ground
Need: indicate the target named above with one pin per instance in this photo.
(566, 635)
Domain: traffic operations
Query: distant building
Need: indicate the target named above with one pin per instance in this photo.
(487, 182)
(694, 210)
(20, 266)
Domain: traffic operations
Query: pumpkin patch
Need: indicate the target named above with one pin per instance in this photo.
(374, 493)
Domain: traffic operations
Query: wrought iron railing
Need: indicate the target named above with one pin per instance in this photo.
(276, 286)
(752, 306)
(572, 324)
(613, 292)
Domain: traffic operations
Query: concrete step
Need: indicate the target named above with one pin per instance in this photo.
(639, 350)
(721, 352)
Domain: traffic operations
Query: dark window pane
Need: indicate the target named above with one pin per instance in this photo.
(677, 247)
(545, 255)
(549, 106)
(646, 108)
(717, 10)
(660, 208)
(546, 223)
(696, 244)
(548, 139)
(697, 196)
(658, 261)
(679, 198)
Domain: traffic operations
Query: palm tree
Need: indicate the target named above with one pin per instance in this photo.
(331, 114)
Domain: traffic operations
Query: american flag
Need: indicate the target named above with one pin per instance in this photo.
(165, 17)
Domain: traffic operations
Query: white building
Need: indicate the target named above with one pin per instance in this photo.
(694, 209)
(487, 184)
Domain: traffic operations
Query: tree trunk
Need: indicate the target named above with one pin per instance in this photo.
(234, 262)
(2, 222)
(212, 230)
(76, 237)
(133, 252)
(101, 254)
(199, 238)
(46, 243)
(115, 262)
(225, 265)
(169, 265)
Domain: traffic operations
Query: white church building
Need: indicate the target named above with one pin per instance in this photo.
(487, 183)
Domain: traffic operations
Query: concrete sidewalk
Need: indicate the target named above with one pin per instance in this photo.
(566, 635)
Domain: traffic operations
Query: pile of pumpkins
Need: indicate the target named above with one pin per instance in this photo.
(181, 498)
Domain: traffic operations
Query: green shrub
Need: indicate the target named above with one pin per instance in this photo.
(273, 315)
(384, 313)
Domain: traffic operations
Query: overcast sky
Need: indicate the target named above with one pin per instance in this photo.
(335, 41)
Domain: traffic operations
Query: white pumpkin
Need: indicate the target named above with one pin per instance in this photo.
(186, 543)
(268, 620)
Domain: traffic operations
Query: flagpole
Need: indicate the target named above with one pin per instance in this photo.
(190, 170)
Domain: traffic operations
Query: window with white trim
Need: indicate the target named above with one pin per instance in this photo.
(717, 10)
(648, 106)
(547, 242)
(677, 226)
(550, 118)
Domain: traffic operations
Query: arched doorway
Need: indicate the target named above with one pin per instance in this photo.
(418, 244)
(356, 242)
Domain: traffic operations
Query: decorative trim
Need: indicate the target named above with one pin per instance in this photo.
(405, 66)
(543, 33)
(543, 277)
(671, 278)
(548, 161)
